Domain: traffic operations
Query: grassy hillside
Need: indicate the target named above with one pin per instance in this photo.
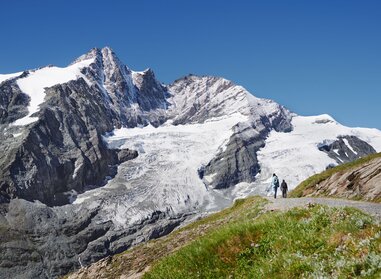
(246, 241)
(311, 182)
(140, 258)
(315, 242)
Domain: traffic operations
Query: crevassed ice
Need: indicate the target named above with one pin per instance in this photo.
(165, 174)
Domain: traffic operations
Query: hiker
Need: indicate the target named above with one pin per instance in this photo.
(284, 189)
(275, 184)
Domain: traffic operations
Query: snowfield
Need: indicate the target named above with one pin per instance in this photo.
(295, 156)
(35, 83)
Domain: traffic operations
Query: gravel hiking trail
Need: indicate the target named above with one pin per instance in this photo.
(373, 209)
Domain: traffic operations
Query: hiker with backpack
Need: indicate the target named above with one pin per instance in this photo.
(275, 184)
(284, 189)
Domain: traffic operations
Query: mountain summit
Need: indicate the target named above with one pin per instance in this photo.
(110, 157)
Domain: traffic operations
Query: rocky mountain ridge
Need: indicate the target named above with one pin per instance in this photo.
(62, 150)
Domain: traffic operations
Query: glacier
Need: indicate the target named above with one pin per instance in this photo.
(165, 176)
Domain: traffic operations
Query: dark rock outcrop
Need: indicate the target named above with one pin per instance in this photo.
(126, 154)
(13, 102)
(346, 149)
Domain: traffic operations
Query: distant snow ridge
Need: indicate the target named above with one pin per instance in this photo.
(9, 76)
(295, 156)
(195, 99)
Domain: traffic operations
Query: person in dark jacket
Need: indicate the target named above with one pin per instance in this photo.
(284, 189)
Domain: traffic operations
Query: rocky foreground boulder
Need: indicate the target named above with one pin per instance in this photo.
(361, 182)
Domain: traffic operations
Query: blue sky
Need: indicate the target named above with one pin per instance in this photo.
(313, 57)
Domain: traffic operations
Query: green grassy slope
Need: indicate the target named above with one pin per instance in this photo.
(141, 257)
(315, 242)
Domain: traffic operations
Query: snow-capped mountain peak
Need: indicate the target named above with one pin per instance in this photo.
(197, 98)
(106, 67)
(94, 53)
(105, 55)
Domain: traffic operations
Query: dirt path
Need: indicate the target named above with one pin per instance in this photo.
(373, 209)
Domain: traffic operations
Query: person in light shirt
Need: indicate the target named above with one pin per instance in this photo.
(275, 184)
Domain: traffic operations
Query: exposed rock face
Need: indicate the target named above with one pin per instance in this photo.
(238, 162)
(346, 149)
(63, 151)
(137, 98)
(37, 241)
(362, 182)
(196, 99)
(12, 101)
(126, 154)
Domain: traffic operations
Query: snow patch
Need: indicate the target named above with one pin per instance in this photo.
(35, 83)
(77, 166)
(137, 77)
(349, 146)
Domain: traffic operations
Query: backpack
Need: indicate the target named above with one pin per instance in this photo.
(276, 181)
